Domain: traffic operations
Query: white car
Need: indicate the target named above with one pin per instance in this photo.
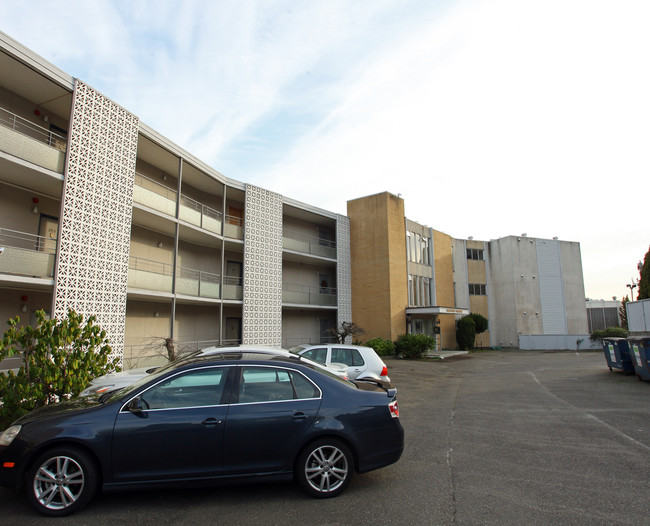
(114, 381)
(360, 361)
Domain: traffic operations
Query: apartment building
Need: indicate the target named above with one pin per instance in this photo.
(427, 280)
(102, 214)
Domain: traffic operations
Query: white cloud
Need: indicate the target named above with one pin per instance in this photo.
(491, 118)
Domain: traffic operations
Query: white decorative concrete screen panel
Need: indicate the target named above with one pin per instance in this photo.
(344, 269)
(262, 319)
(95, 229)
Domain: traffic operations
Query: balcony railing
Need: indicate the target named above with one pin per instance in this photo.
(154, 275)
(233, 288)
(200, 215)
(154, 352)
(31, 142)
(308, 244)
(193, 282)
(233, 227)
(308, 295)
(26, 254)
(150, 275)
(154, 195)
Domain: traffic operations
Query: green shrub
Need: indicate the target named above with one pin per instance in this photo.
(609, 332)
(59, 359)
(465, 333)
(414, 346)
(480, 322)
(382, 347)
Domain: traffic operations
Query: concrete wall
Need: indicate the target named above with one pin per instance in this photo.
(574, 288)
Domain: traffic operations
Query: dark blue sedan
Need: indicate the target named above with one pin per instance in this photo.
(231, 416)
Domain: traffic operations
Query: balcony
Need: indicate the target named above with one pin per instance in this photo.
(159, 197)
(154, 275)
(233, 288)
(154, 195)
(233, 227)
(150, 275)
(25, 254)
(200, 215)
(308, 295)
(311, 245)
(31, 142)
(197, 283)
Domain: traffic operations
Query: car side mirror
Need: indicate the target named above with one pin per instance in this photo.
(135, 406)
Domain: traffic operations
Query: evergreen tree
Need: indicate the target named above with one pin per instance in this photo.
(622, 313)
(644, 280)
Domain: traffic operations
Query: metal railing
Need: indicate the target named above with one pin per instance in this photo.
(198, 283)
(204, 210)
(308, 295)
(299, 242)
(23, 126)
(154, 186)
(26, 254)
(152, 354)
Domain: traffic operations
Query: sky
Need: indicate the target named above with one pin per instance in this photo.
(489, 117)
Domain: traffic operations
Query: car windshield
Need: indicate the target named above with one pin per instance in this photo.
(119, 393)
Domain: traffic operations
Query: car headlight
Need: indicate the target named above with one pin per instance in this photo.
(8, 435)
(96, 389)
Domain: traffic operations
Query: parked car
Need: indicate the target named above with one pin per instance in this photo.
(115, 381)
(231, 416)
(359, 360)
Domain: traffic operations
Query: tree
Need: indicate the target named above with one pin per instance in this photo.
(480, 322)
(644, 279)
(622, 313)
(465, 333)
(59, 359)
(348, 328)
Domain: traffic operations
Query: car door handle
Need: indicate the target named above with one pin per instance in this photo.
(211, 422)
(299, 415)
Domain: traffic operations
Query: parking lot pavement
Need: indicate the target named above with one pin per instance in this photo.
(495, 437)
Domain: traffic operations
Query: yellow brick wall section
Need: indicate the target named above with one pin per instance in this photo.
(444, 269)
(379, 280)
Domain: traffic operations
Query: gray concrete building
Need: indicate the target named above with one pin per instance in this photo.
(102, 214)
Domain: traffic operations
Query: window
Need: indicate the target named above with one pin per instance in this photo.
(350, 357)
(418, 248)
(317, 355)
(269, 384)
(196, 388)
(477, 289)
(475, 254)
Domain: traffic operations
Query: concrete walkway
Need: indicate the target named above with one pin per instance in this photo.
(441, 355)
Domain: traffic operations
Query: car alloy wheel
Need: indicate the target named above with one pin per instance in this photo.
(325, 468)
(61, 481)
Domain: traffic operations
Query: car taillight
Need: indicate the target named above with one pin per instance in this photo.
(394, 409)
(384, 371)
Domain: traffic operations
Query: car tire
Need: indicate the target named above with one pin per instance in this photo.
(324, 468)
(61, 481)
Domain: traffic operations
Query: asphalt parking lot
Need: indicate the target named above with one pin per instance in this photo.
(496, 437)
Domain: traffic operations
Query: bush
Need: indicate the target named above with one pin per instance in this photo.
(609, 332)
(414, 346)
(480, 322)
(465, 333)
(382, 347)
(59, 359)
